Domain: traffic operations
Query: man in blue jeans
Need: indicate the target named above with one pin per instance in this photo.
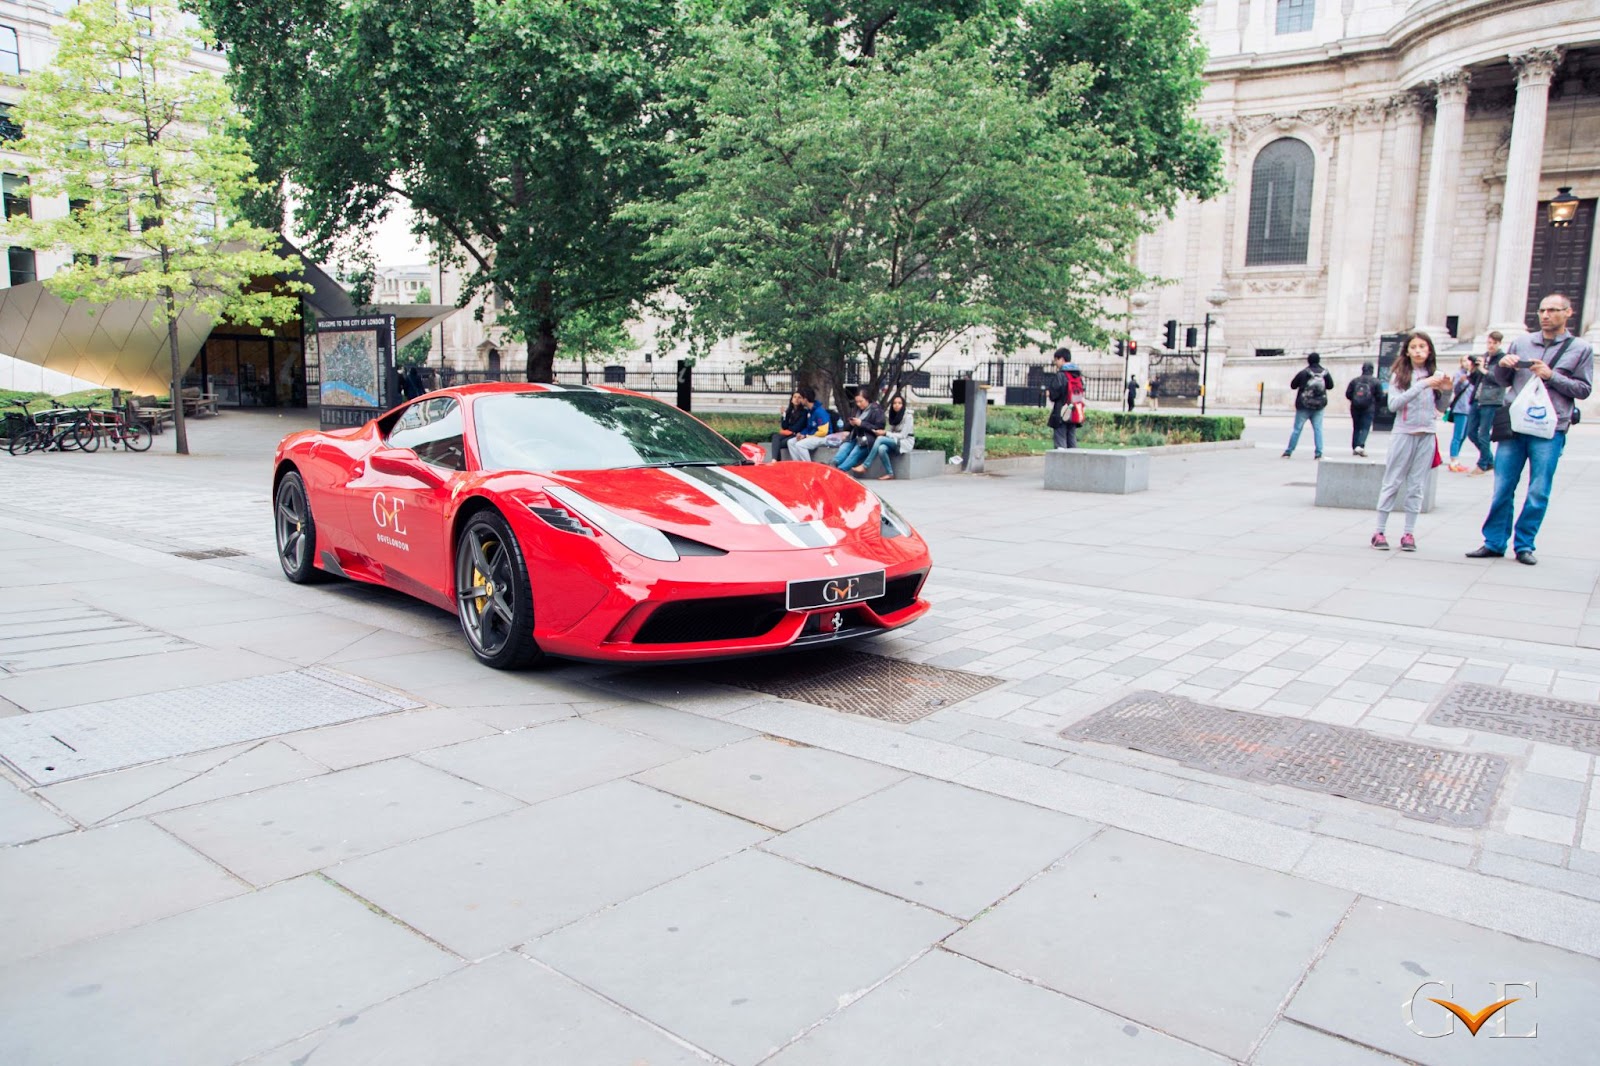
(1311, 387)
(1566, 366)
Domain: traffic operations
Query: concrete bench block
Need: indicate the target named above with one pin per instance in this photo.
(922, 462)
(1355, 483)
(1083, 470)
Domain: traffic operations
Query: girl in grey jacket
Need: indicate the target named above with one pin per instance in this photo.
(898, 434)
(1412, 445)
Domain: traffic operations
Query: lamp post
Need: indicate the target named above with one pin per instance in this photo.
(1216, 298)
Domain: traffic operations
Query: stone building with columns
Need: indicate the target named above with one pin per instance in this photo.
(1389, 165)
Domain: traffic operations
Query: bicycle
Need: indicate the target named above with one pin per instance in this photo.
(116, 427)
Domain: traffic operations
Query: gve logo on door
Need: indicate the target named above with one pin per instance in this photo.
(390, 515)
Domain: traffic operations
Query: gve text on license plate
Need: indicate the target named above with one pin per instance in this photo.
(833, 591)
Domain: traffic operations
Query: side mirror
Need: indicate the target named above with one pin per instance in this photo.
(403, 462)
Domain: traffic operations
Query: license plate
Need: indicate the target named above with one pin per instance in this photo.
(835, 591)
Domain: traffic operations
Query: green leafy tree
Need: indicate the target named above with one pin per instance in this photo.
(1147, 64)
(869, 211)
(513, 129)
(148, 151)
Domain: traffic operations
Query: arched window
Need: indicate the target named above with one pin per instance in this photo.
(1280, 203)
(1294, 16)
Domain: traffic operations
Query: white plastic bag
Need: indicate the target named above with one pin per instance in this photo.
(1532, 413)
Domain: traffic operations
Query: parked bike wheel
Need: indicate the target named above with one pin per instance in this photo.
(86, 435)
(135, 437)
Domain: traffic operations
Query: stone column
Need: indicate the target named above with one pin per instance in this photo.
(1508, 306)
(1342, 124)
(1491, 246)
(1444, 180)
(1399, 246)
(1359, 220)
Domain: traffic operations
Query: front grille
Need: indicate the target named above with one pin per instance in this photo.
(899, 593)
(730, 618)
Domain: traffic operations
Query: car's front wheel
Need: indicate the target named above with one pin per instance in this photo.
(493, 597)
(295, 530)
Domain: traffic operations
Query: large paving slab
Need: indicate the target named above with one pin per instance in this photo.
(292, 829)
(355, 743)
(946, 1010)
(941, 845)
(740, 957)
(24, 818)
(1382, 956)
(502, 1011)
(770, 782)
(1294, 1045)
(1197, 946)
(83, 885)
(551, 760)
(486, 887)
(212, 986)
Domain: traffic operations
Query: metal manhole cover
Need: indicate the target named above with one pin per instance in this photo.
(1421, 782)
(59, 745)
(1468, 705)
(209, 553)
(874, 686)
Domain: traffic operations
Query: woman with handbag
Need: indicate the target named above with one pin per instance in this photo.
(1413, 447)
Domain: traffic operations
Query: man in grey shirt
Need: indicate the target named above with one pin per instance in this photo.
(1566, 366)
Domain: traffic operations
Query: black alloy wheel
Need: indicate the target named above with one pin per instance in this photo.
(296, 532)
(493, 596)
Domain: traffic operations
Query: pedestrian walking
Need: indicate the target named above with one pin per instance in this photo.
(1561, 367)
(1413, 447)
(1133, 390)
(1311, 387)
(1458, 412)
(1363, 393)
(1487, 399)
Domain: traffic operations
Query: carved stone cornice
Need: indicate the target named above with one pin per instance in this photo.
(1278, 286)
(1451, 86)
(1242, 127)
(1537, 65)
(1369, 112)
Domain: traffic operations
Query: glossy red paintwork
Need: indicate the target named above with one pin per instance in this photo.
(591, 593)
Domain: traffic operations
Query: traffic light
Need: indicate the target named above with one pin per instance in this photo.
(1122, 348)
(1191, 337)
(1169, 339)
(1133, 349)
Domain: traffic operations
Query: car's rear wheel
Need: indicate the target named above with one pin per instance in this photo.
(493, 596)
(296, 531)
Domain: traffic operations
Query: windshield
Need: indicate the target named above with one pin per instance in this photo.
(591, 431)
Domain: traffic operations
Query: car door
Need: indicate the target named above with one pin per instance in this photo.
(402, 519)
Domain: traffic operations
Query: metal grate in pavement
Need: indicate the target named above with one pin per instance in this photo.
(92, 738)
(44, 637)
(1421, 782)
(1468, 705)
(210, 553)
(874, 686)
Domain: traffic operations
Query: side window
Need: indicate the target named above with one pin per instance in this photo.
(432, 429)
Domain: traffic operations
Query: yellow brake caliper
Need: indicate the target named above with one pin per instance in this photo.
(480, 580)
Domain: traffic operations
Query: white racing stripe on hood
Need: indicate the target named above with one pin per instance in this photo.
(752, 505)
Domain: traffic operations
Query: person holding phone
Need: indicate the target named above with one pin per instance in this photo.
(1414, 384)
(1566, 366)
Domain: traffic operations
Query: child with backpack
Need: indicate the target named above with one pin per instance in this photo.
(1363, 393)
(1413, 448)
(1311, 387)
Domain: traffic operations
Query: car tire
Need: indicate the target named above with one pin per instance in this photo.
(494, 598)
(295, 531)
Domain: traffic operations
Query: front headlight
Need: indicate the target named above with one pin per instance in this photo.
(648, 542)
(893, 523)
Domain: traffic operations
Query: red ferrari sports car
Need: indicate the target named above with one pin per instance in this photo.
(593, 523)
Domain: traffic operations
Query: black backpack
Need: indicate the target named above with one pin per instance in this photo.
(1314, 391)
(1363, 391)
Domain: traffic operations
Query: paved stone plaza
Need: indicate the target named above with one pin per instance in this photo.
(593, 865)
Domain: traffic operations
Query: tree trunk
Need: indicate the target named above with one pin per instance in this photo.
(179, 429)
(542, 352)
